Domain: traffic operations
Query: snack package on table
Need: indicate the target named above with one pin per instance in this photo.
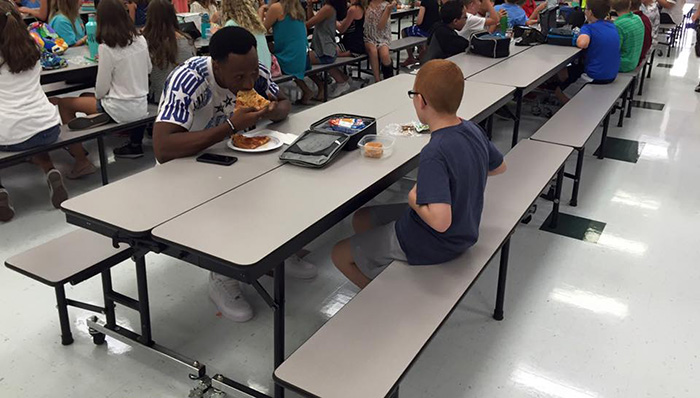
(346, 125)
(411, 129)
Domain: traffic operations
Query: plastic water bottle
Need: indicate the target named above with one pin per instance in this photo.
(91, 29)
(206, 26)
(504, 24)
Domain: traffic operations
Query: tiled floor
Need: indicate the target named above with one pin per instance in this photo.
(616, 318)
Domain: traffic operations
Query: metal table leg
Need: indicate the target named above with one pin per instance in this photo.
(279, 323)
(577, 176)
(554, 220)
(64, 321)
(103, 159)
(502, 273)
(518, 109)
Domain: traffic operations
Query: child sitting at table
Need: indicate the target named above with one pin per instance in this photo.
(121, 88)
(242, 13)
(651, 10)
(631, 31)
(323, 47)
(601, 62)
(287, 19)
(636, 8)
(516, 14)
(378, 36)
(29, 120)
(168, 47)
(65, 20)
(444, 42)
(476, 22)
(428, 16)
(442, 216)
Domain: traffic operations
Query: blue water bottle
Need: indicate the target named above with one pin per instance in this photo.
(91, 29)
(206, 26)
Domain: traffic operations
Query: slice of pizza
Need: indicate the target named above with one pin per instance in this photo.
(243, 142)
(251, 99)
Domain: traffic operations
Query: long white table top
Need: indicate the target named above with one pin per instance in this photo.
(309, 195)
(528, 68)
(140, 202)
(471, 64)
(77, 61)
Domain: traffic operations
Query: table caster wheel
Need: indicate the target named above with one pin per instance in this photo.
(536, 110)
(97, 337)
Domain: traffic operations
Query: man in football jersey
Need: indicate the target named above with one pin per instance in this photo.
(196, 111)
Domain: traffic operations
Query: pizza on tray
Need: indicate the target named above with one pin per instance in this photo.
(251, 99)
(243, 142)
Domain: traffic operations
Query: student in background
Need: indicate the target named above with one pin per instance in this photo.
(444, 42)
(441, 219)
(323, 47)
(65, 20)
(601, 62)
(206, 7)
(168, 47)
(516, 15)
(287, 20)
(41, 13)
(29, 120)
(475, 22)
(631, 31)
(137, 11)
(646, 44)
(242, 13)
(428, 15)
(121, 88)
(651, 10)
(378, 36)
(529, 7)
(181, 6)
(352, 29)
(672, 11)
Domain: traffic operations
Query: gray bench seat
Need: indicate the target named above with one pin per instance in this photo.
(71, 258)
(574, 124)
(69, 136)
(366, 348)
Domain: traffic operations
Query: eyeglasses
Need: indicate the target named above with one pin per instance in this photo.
(412, 94)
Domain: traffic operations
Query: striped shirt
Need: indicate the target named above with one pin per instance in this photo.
(192, 98)
(631, 31)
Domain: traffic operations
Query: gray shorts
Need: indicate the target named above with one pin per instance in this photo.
(375, 249)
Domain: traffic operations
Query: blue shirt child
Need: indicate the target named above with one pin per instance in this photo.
(602, 59)
(453, 169)
(516, 14)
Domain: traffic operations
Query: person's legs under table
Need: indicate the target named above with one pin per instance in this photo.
(373, 247)
(373, 56)
(68, 107)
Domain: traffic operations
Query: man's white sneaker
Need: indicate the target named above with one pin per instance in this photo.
(339, 89)
(228, 298)
(297, 267)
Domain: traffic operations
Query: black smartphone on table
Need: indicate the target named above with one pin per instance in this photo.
(213, 158)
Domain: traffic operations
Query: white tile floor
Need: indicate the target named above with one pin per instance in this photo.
(612, 319)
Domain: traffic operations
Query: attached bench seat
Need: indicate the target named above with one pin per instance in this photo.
(69, 136)
(367, 347)
(407, 42)
(638, 76)
(574, 124)
(59, 88)
(72, 258)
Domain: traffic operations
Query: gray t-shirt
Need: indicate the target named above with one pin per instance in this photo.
(323, 40)
(185, 51)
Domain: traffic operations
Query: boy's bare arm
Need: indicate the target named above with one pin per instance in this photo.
(499, 170)
(437, 215)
